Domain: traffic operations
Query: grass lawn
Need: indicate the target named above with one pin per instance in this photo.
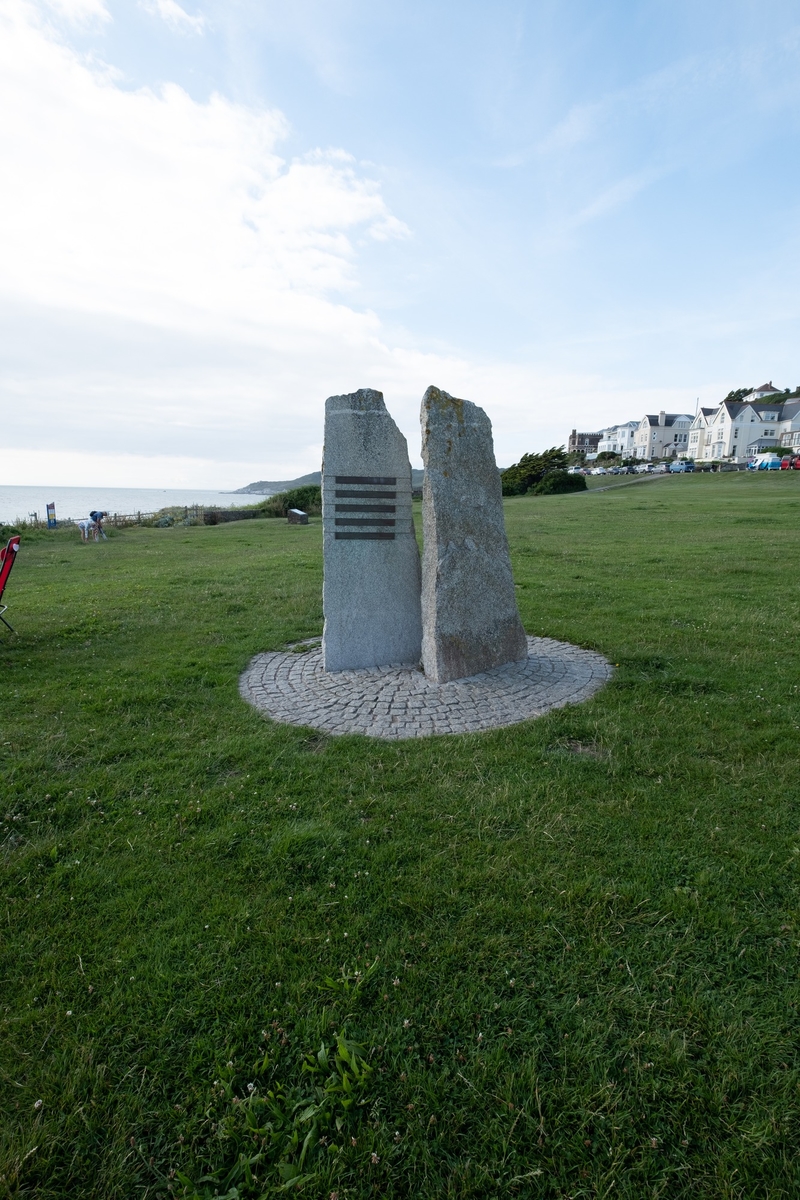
(556, 960)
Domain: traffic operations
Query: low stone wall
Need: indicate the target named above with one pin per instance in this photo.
(219, 516)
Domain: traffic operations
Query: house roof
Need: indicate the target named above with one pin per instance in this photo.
(765, 387)
(705, 414)
(782, 411)
(621, 425)
(669, 418)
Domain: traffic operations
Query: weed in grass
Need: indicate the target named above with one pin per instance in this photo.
(263, 1136)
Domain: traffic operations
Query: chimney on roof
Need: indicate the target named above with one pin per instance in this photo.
(662, 418)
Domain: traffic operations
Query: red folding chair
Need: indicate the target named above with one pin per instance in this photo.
(8, 556)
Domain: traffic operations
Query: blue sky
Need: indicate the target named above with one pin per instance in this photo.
(218, 214)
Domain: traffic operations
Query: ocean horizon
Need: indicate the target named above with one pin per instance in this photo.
(19, 503)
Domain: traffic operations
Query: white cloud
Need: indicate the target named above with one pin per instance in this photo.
(182, 287)
(175, 16)
(158, 207)
(80, 12)
(613, 197)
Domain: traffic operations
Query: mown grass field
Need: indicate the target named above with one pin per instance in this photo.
(567, 950)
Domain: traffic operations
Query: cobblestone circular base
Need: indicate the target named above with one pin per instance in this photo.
(399, 702)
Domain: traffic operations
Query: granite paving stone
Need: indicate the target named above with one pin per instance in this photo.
(399, 702)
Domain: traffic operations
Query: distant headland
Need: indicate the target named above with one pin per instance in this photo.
(269, 487)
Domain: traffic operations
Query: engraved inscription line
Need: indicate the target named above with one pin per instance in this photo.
(363, 521)
(341, 495)
(354, 508)
(373, 479)
(375, 537)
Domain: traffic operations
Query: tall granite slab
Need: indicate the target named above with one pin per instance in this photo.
(470, 621)
(371, 585)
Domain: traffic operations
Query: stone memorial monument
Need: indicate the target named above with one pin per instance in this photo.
(371, 583)
(480, 670)
(470, 620)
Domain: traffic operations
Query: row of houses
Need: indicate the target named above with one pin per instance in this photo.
(743, 425)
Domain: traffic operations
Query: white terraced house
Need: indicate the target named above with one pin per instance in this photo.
(764, 419)
(663, 436)
(618, 439)
(698, 434)
(790, 424)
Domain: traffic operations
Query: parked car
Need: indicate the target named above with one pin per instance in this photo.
(770, 464)
(678, 468)
(599, 471)
(790, 463)
(643, 468)
(661, 468)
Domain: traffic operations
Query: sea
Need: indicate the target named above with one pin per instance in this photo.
(20, 503)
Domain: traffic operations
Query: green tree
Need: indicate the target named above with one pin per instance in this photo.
(522, 476)
(308, 498)
(557, 483)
